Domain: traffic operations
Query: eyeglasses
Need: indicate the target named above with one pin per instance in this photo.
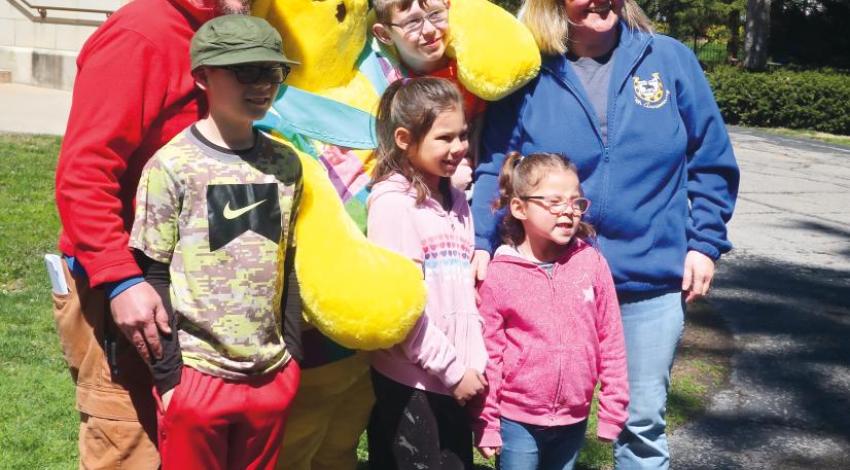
(251, 74)
(413, 27)
(559, 206)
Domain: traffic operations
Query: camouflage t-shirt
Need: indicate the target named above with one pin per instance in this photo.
(222, 221)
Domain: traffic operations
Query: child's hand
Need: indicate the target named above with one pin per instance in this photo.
(463, 175)
(489, 452)
(470, 385)
(480, 260)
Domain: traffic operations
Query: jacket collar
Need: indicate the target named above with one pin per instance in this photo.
(630, 48)
(397, 183)
(509, 254)
(197, 11)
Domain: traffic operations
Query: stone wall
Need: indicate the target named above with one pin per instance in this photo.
(43, 51)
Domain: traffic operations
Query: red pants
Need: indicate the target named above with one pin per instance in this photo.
(212, 423)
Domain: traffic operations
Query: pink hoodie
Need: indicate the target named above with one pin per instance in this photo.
(550, 340)
(448, 338)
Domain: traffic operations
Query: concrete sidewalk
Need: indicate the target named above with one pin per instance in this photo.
(33, 110)
(785, 293)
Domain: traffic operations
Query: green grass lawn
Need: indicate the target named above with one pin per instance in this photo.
(843, 140)
(38, 423)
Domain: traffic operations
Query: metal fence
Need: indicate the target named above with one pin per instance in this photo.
(713, 53)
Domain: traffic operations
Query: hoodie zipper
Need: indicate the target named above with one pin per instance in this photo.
(554, 401)
(559, 325)
(613, 93)
(612, 101)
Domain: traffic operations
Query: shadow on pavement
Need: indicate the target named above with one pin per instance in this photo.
(790, 396)
(815, 226)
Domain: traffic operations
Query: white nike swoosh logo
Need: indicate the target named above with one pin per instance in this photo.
(232, 214)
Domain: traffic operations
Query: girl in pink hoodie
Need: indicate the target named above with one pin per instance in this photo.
(551, 323)
(422, 384)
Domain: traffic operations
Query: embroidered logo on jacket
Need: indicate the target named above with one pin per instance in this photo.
(650, 93)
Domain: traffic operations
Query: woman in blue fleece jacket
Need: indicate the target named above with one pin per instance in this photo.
(635, 113)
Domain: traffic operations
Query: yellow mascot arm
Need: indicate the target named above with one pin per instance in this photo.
(358, 294)
(496, 54)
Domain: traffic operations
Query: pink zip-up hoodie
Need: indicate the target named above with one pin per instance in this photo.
(550, 340)
(447, 339)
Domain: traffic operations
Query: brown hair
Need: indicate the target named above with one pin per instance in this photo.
(548, 23)
(384, 8)
(519, 176)
(414, 104)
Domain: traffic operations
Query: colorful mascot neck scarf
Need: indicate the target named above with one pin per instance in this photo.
(300, 115)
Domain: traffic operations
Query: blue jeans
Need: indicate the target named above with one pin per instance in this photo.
(529, 447)
(652, 326)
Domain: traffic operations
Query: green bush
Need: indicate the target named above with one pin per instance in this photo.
(815, 100)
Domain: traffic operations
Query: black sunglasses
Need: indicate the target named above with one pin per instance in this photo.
(251, 74)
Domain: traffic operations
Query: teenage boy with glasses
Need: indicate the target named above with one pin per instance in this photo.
(419, 31)
(213, 234)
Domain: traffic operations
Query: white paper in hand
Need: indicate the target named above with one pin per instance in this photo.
(56, 273)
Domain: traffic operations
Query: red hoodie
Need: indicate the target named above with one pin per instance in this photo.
(550, 339)
(133, 93)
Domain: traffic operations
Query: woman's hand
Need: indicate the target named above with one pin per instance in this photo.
(699, 272)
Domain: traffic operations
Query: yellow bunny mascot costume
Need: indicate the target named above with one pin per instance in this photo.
(356, 296)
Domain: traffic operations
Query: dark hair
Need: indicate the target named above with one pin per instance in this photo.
(414, 104)
(519, 176)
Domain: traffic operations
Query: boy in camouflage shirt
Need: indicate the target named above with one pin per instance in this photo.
(213, 233)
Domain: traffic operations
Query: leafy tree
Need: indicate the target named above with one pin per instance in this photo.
(810, 32)
(509, 5)
(805, 32)
(698, 22)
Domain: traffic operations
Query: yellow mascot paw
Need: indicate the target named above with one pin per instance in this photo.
(491, 66)
(358, 294)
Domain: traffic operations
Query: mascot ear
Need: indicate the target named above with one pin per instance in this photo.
(496, 54)
(356, 293)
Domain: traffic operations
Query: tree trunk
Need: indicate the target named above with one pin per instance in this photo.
(757, 34)
(733, 22)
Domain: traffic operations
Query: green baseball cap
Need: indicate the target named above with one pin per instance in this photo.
(236, 39)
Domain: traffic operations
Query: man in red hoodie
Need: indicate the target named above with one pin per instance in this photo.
(133, 93)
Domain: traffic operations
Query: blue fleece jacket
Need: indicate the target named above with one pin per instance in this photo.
(666, 182)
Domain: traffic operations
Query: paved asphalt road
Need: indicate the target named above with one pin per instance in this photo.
(785, 293)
